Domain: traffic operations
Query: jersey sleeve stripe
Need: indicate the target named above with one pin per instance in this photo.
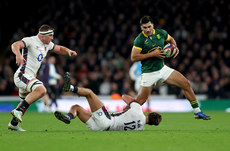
(167, 38)
(137, 47)
(118, 113)
(53, 47)
(106, 112)
(24, 43)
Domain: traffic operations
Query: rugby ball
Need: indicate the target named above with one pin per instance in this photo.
(169, 50)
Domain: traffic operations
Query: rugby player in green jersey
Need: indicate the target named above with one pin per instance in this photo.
(147, 48)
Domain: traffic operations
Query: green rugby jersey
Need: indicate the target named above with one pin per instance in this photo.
(148, 44)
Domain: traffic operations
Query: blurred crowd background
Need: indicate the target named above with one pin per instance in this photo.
(102, 33)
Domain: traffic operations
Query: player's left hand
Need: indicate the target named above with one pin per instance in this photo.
(177, 52)
(72, 53)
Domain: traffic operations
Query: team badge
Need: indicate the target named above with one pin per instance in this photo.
(146, 41)
(158, 36)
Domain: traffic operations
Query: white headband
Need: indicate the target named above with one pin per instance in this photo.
(46, 32)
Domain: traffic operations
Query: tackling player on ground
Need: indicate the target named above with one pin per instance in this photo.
(147, 49)
(100, 119)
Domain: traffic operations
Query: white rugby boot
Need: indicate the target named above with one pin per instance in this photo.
(15, 128)
(17, 114)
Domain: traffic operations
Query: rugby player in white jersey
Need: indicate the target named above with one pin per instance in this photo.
(34, 50)
(100, 119)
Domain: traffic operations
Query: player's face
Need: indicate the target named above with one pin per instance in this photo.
(48, 38)
(147, 28)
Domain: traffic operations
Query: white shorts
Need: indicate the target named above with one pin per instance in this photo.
(148, 79)
(24, 83)
(100, 120)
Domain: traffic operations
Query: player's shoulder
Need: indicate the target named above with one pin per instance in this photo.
(29, 39)
(161, 31)
(140, 37)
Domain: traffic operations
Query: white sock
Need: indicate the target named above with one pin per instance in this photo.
(71, 88)
(196, 110)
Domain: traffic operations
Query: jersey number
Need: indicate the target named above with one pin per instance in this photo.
(130, 126)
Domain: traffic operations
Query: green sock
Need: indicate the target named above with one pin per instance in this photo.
(194, 104)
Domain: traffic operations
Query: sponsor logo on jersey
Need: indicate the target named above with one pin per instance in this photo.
(40, 57)
(100, 113)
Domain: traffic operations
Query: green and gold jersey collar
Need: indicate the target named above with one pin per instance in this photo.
(148, 36)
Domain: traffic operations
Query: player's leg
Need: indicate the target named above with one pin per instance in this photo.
(177, 79)
(143, 94)
(38, 91)
(148, 80)
(13, 124)
(127, 98)
(75, 111)
(94, 102)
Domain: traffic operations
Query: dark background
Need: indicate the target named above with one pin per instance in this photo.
(102, 32)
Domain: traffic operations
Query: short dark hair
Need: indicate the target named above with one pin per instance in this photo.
(154, 118)
(45, 28)
(145, 20)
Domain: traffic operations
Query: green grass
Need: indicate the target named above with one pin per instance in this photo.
(177, 132)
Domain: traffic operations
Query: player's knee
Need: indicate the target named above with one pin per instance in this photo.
(34, 84)
(41, 90)
(186, 84)
(142, 98)
(75, 107)
(89, 92)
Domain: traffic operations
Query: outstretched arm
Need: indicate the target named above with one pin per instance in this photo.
(63, 50)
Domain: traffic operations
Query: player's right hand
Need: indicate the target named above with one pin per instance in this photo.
(158, 53)
(20, 60)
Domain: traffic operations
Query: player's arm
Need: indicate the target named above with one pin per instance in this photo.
(127, 99)
(171, 40)
(16, 47)
(63, 50)
(137, 56)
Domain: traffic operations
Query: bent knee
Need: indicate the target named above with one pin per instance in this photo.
(89, 92)
(75, 106)
(41, 89)
(186, 84)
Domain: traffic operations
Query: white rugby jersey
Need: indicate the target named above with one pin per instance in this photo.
(132, 119)
(33, 53)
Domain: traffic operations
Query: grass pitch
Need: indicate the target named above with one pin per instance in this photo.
(177, 132)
